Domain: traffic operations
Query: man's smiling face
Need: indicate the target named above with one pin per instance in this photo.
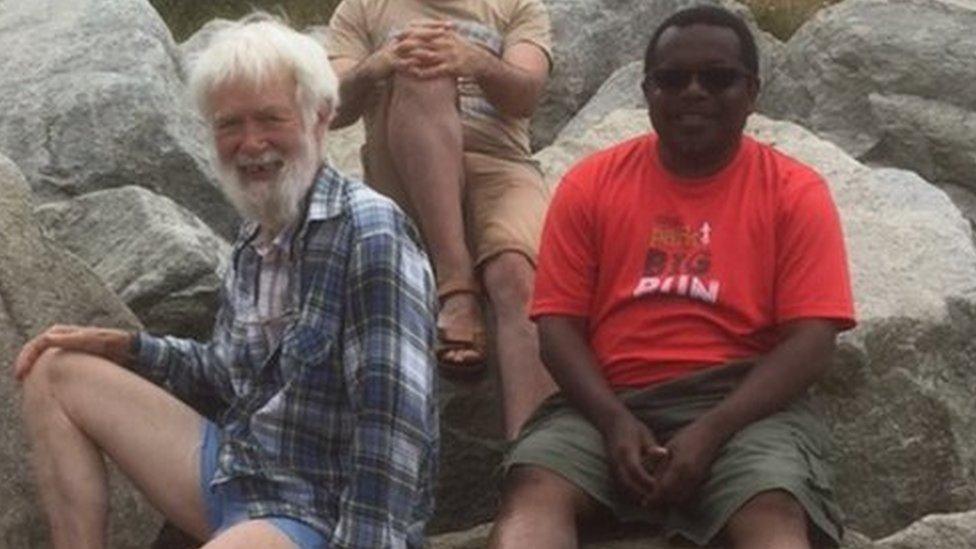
(266, 151)
(699, 95)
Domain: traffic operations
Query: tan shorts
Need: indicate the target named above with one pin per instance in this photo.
(505, 202)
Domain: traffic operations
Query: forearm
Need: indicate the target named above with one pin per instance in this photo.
(510, 89)
(776, 379)
(358, 85)
(571, 362)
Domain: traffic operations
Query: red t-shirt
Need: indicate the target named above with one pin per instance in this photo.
(676, 275)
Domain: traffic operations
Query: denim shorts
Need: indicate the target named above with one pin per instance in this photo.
(226, 507)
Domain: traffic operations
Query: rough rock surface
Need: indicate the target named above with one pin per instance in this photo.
(158, 257)
(951, 531)
(471, 449)
(890, 81)
(40, 285)
(902, 391)
(593, 38)
(90, 98)
(343, 149)
(965, 200)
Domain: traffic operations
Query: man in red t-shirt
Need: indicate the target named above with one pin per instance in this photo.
(690, 288)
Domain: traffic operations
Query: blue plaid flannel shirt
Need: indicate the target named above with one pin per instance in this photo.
(338, 425)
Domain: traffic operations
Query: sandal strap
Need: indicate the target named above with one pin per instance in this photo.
(457, 286)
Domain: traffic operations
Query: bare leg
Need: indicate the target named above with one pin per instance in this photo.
(525, 382)
(251, 533)
(424, 136)
(770, 520)
(77, 406)
(539, 509)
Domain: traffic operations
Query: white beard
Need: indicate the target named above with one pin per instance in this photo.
(272, 204)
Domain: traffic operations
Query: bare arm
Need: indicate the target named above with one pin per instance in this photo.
(630, 444)
(779, 377)
(786, 372)
(357, 84)
(512, 83)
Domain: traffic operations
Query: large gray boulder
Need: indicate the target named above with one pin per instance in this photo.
(890, 81)
(593, 38)
(900, 398)
(949, 531)
(90, 99)
(157, 256)
(472, 447)
(40, 285)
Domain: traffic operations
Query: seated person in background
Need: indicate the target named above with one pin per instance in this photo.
(321, 358)
(691, 285)
(446, 89)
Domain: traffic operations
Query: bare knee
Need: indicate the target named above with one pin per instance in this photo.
(51, 373)
(409, 92)
(508, 280)
(538, 491)
(775, 514)
(46, 371)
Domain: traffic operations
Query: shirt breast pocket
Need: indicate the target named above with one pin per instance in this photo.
(308, 351)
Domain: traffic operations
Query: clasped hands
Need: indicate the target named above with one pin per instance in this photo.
(653, 474)
(432, 49)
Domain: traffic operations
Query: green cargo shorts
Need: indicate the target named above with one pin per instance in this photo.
(784, 451)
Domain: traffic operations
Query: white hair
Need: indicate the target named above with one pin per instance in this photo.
(256, 48)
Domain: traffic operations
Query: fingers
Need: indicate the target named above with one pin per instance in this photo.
(33, 349)
(630, 470)
(111, 344)
(421, 34)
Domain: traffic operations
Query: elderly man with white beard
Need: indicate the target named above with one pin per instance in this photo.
(320, 362)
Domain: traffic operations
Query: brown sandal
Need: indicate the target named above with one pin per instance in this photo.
(452, 338)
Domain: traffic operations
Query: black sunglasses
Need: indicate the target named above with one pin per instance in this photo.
(713, 80)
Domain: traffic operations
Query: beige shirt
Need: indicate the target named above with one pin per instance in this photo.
(360, 27)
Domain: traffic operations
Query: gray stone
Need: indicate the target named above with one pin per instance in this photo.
(90, 99)
(965, 200)
(472, 447)
(593, 38)
(889, 81)
(934, 138)
(952, 531)
(158, 257)
(40, 285)
(901, 394)
(343, 149)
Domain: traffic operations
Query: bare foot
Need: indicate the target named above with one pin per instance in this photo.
(461, 328)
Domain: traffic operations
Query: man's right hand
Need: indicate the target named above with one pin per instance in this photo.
(110, 344)
(633, 453)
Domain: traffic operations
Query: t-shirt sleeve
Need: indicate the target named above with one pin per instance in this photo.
(566, 273)
(812, 278)
(530, 23)
(347, 36)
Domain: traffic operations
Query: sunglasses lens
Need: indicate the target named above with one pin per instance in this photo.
(718, 79)
(714, 80)
(671, 79)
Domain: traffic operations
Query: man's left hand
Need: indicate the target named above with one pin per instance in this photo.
(437, 50)
(691, 453)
